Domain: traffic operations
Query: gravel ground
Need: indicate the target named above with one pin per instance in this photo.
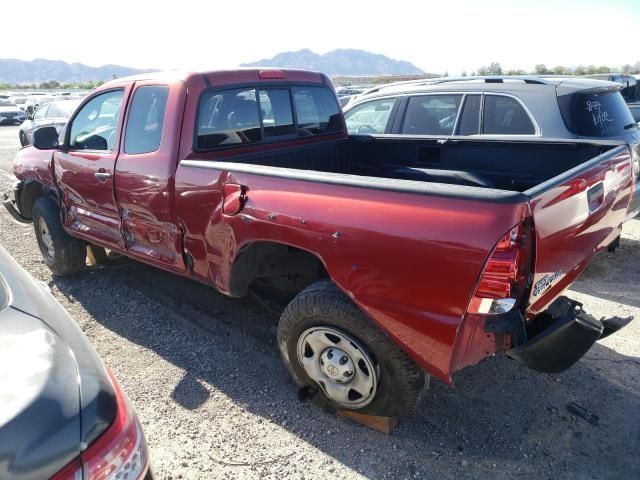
(204, 374)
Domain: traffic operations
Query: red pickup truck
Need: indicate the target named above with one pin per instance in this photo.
(390, 256)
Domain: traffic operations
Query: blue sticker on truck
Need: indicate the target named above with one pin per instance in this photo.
(545, 282)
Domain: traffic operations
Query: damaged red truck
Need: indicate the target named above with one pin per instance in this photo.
(389, 256)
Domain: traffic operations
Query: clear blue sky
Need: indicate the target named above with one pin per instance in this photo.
(436, 36)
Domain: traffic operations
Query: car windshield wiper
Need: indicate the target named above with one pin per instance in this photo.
(631, 125)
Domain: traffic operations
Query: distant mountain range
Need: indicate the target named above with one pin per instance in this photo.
(41, 70)
(340, 62)
(344, 62)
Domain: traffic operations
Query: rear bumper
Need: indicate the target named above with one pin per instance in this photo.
(11, 201)
(560, 336)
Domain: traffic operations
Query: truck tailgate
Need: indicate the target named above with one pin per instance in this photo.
(576, 214)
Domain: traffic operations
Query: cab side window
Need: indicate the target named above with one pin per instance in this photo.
(94, 127)
(228, 117)
(145, 120)
(317, 111)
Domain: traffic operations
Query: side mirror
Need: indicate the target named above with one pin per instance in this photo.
(45, 138)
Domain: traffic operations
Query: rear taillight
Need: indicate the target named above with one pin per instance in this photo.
(504, 278)
(119, 453)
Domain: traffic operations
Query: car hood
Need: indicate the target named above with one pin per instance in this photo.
(55, 394)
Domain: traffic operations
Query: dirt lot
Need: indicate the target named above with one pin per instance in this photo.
(204, 374)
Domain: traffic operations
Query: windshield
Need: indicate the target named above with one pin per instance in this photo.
(596, 114)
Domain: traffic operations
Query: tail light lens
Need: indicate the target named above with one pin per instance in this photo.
(120, 453)
(504, 279)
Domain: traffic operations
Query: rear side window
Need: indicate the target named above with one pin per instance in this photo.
(505, 116)
(596, 114)
(242, 116)
(146, 116)
(370, 117)
(469, 123)
(431, 115)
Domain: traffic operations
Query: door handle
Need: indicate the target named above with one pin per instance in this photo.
(102, 176)
(595, 197)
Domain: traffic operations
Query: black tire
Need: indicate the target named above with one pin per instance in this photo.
(23, 139)
(401, 382)
(67, 255)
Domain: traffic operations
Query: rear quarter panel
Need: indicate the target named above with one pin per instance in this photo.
(410, 261)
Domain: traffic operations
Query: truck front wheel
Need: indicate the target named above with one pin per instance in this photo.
(331, 346)
(63, 254)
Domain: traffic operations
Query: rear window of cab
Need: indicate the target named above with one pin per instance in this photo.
(252, 115)
(596, 114)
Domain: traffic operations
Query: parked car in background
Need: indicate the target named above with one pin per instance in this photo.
(36, 100)
(18, 98)
(630, 89)
(11, 115)
(634, 106)
(485, 107)
(345, 99)
(247, 181)
(5, 100)
(629, 84)
(63, 415)
(351, 90)
(79, 94)
(55, 114)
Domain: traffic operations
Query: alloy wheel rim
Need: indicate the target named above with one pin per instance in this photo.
(340, 365)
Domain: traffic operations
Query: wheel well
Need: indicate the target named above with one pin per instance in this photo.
(274, 270)
(30, 193)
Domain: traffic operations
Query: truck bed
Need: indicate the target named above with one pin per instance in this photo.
(514, 165)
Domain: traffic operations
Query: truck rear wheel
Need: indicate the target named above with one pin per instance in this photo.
(63, 254)
(331, 346)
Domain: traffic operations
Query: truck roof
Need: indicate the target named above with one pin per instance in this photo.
(227, 76)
